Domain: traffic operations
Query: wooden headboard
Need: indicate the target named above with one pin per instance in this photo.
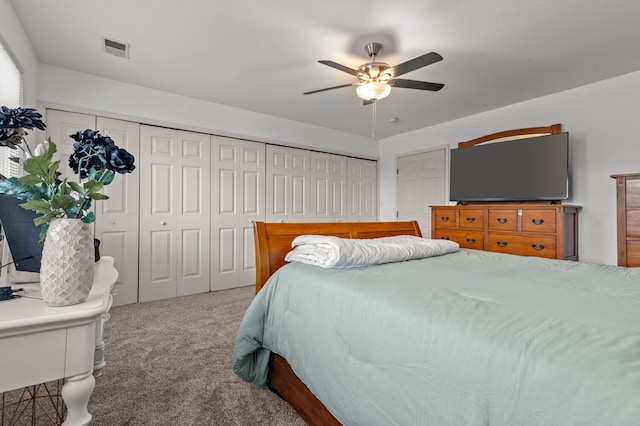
(514, 133)
(273, 240)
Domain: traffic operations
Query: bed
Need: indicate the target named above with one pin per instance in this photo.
(469, 337)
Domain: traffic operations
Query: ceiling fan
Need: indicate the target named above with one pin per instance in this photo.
(377, 78)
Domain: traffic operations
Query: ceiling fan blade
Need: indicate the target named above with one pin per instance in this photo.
(340, 67)
(328, 88)
(414, 84)
(415, 63)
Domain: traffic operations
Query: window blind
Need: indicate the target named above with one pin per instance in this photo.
(10, 96)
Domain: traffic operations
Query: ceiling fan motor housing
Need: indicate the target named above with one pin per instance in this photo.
(374, 71)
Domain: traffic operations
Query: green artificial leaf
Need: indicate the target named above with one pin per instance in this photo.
(30, 180)
(108, 177)
(77, 187)
(98, 196)
(38, 166)
(44, 220)
(12, 186)
(39, 206)
(94, 174)
(43, 229)
(63, 201)
(53, 168)
(92, 186)
(52, 148)
(89, 218)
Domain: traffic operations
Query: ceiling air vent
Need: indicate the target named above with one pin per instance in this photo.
(115, 48)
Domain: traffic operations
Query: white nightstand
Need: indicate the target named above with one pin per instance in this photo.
(39, 343)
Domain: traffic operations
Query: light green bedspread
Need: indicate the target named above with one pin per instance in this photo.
(469, 338)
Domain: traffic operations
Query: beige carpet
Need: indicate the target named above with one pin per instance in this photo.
(169, 363)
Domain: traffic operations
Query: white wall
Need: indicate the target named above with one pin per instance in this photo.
(76, 89)
(603, 122)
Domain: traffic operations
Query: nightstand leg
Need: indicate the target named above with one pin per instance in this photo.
(76, 393)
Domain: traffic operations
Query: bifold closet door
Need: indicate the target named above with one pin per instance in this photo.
(174, 212)
(362, 190)
(328, 188)
(238, 200)
(116, 223)
(62, 124)
(117, 218)
(288, 177)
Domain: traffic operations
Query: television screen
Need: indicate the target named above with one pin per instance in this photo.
(516, 170)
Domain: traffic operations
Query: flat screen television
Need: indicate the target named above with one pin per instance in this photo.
(528, 169)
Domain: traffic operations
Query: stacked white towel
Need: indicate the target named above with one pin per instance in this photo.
(335, 252)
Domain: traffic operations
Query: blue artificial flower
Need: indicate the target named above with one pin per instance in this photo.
(13, 121)
(97, 152)
(17, 118)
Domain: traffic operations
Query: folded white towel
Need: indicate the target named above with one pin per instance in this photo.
(335, 252)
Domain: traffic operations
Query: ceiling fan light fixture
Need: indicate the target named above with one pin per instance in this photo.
(373, 91)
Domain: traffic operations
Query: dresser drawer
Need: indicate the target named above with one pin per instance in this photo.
(466, 239)
(539, 221)
(524, 245)
(503, 220)
(445, 218)
(471, 218)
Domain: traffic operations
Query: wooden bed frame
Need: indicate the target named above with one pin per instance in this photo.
(272, 243)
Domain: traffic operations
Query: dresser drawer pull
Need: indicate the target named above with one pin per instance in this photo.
(502, 243)
(537, 246)
(471, 240)
(471, 219)
(445, 218)
(502, 220)
(444, 237)
(537, 221)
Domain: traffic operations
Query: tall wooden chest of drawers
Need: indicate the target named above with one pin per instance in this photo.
(628, 217)
(542, 230)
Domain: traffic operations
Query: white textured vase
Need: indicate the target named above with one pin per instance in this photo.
(66, 270)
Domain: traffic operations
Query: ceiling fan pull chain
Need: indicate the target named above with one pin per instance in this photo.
(373, 121)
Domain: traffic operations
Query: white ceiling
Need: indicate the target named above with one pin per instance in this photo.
(262, 55)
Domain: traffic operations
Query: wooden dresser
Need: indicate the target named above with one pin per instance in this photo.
(628, 216)
(543, 230)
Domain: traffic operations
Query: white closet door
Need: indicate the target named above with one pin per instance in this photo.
(287, 184)
(117, 218)
(174, 213)
(328, 187)
(362, 190)
(61, 124)
(238, 199)
(116, 223)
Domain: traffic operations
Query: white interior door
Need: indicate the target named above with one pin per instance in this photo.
(116, 223)
(421, 182)
(328, 183)
(62, 124)
(287, 184)
(362, 190)
(174, 213)
(238, 200)
(117, 218)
